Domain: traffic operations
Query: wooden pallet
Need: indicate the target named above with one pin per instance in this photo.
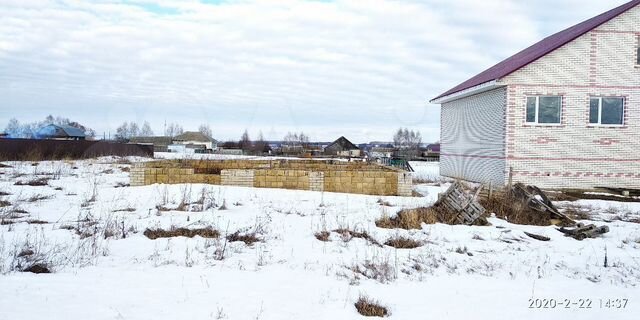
(455, 199)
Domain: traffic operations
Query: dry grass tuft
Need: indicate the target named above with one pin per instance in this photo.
(348, 234)
(403, 243)
(248, 239)
(121, 185)
(380, 270)
(36, 221)
(4, 203)
(414, 218)
(37, 268)
(38, 197)
(181, 232)
(323, 235)
(34, 182)
(514, 210)
(370, 308)
(128, 209)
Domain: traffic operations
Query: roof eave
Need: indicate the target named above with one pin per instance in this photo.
(487, 86)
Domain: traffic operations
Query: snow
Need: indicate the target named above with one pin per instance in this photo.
(428, 171)
(460, 272)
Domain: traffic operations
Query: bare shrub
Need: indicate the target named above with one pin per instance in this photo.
(181, 232)
(577, 211)
(322, 235)
(370, 308)
(403, 243)
(514, 210)
(34, 182)
(414, 218)
(185, 199)
(380, 270)
(36, 221)
(348, 234)
(38, 197)
(4, 203)
(247, 238)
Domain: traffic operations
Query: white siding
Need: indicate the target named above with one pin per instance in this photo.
(472, 138)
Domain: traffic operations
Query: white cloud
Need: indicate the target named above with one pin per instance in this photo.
(358, 68)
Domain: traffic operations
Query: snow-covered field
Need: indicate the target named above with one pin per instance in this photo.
(87, 225)
(426, 171)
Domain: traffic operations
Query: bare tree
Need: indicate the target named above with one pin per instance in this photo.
(146, 130)
(173, 129)
(122, 132)
(134, 130)
(296, 139)
(206, 130)
(260, 146)
(13, 127)
(245, 141)
(407, 140)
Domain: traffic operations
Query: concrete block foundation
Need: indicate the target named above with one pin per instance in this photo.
(330, 176)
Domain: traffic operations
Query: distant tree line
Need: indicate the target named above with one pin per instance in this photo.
(407, 141)
(15, 129)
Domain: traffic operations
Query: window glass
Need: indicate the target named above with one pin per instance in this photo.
(594, 107)
(549, 109)
(531, 109)
(612, 111)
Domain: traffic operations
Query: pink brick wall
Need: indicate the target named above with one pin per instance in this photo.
(574, 153)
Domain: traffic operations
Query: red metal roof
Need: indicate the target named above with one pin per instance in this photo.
(539, 49)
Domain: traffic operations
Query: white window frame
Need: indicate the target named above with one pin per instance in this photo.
(537, 110)
(599, 123)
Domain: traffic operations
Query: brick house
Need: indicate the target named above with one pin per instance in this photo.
(563, 113)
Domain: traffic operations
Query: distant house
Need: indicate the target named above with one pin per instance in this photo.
(381, 152)
(160, 143)
(343, 148)
(432, 151)
(60, 132)
(562, 113)
(197, 140)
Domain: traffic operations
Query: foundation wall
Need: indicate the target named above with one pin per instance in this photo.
(361, 178)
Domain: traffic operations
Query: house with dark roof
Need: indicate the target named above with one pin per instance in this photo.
(562, 113)
(196, 138)
(342, 147)
(60, 132)
(160, 143)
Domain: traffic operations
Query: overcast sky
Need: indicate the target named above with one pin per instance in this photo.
(329, 68)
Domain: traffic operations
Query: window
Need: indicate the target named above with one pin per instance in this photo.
(638, 57)
(606, 111)
(544, 109)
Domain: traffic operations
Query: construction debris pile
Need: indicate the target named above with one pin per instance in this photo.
(518, 204)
